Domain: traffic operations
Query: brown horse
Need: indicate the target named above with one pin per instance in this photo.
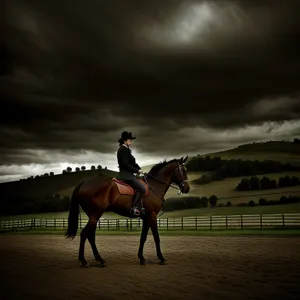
(99, 195)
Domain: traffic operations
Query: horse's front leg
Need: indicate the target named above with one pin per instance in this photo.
(145, 229)
(154, 229)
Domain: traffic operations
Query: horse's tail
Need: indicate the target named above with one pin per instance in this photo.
(73, 214)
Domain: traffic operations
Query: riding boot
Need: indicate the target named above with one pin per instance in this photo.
(136, 199)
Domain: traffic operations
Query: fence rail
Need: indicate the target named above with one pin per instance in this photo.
(226, 222)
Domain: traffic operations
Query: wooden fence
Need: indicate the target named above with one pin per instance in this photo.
(221, 222)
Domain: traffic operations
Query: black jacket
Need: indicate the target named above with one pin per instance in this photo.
(127, 164)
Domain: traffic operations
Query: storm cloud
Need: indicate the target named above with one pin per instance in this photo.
(184, 76)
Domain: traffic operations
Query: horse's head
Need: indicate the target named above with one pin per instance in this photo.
(180, 175)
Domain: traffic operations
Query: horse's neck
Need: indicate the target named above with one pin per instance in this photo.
(161, 181)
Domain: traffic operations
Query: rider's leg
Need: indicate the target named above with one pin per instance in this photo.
(140, 191)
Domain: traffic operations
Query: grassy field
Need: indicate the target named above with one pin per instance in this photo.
(224, 189)
(233, 210)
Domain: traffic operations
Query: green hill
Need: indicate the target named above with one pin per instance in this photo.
(280, 151)
(285, 152)
(43, 193)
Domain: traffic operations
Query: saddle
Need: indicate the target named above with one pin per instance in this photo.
(126, 189)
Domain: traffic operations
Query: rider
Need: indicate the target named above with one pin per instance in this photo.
(128, 167)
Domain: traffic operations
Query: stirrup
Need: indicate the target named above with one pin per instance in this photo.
(135, 211)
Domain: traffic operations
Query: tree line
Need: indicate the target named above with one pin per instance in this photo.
(264, 202)
(254, 183)
(64, 171)
(27, 205)
(219, 169)
(173, 204)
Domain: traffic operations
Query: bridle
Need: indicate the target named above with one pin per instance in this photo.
(181, 167)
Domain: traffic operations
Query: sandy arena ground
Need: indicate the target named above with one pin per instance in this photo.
(46, 267)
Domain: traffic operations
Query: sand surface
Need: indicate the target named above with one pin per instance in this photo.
(46, 267)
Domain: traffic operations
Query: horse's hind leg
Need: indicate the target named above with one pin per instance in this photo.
(88, 232)
(92, 239)
(83, 237)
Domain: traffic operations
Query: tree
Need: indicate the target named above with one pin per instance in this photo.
(99, 167)
(265, 182)
(213, 200)
(64, 171)
(93, 168)
(77, 169)
(273, 184)
(69, 169)
(51, 173)
(262, 201)
(254, 183)
(283, 200)
(244, 184)
(295, 181)
(83, 168)
(203, 202)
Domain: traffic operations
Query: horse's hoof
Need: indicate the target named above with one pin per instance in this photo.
(143, 262)
(162, 262)
(84, 265)
(101, 265)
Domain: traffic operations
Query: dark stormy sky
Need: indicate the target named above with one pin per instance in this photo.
(185, 77)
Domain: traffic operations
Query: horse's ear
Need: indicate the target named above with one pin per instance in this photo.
(186, 159)
(181, 160)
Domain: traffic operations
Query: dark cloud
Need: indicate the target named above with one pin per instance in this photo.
(74, 75)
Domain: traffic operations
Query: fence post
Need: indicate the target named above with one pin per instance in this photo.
(181, 223)
(167, 223)
(242, 222)
(261, 224)
(226, 222)
(210, 221)
(196, 223)
(283, 225)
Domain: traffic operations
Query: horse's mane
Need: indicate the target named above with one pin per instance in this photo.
(160, 165)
